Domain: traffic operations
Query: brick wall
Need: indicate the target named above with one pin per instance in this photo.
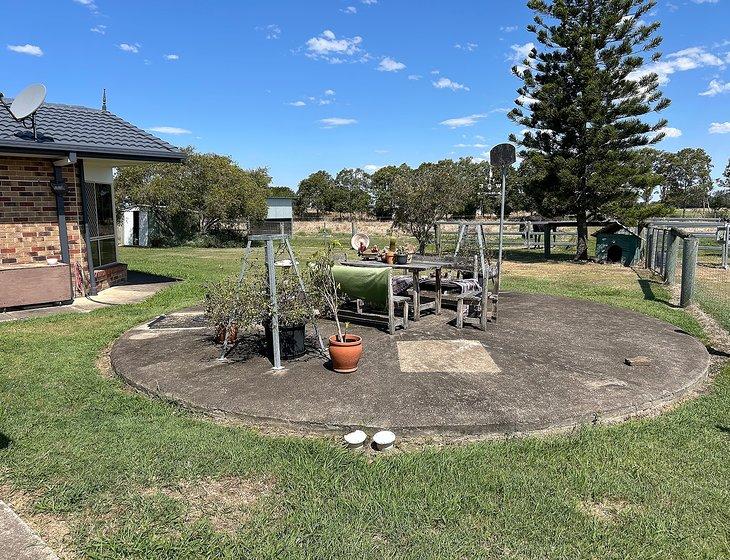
(110, 275)
(28, 220)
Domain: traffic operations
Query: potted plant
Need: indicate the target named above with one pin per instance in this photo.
(390, 253)
(345, 348)
(294, 313)
(233, 308)
(401, 255)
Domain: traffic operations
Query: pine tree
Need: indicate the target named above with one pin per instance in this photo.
(582, 100)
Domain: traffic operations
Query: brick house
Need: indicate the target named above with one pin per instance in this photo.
(57, 201)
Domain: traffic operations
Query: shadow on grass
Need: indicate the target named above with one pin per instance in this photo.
(5, 441)
(647, 287)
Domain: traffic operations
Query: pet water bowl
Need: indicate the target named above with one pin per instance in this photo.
(52, 260)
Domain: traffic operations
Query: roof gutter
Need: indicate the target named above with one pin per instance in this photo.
(129, 155)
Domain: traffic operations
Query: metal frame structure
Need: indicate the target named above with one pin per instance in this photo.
(268, 240)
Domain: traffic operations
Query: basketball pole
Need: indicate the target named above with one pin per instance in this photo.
(501, 229)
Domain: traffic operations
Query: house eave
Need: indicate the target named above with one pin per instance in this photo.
(113, 153)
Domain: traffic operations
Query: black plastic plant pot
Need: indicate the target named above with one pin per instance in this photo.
(401, 259)
(291, 342)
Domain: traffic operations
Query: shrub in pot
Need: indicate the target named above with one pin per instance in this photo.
(293, 312)
(345, 349)
(401, 255)
(233, 309)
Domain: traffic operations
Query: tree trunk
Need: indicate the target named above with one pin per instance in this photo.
(581, 251)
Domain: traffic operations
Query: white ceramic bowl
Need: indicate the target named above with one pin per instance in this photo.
(52, 260)
(356, 439)
(384, 440)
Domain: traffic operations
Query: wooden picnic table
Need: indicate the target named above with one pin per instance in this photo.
(415, 268)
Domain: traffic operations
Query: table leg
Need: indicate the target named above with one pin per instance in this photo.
(416, 296)
(438, 291)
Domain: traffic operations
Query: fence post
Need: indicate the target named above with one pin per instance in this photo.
(648, 249)
(546, 244)
(689, 267)
(437, 227)
(670, 269)
(654, 236)
(726, 246)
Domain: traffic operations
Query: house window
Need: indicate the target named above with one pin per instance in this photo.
(100, 202)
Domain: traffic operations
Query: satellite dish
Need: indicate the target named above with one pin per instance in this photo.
(28, 101)
(25, 105)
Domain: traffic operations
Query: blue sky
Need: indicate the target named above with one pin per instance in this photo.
(298, 86)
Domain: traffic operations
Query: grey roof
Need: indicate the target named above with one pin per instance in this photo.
(88, 132)
(613, 228)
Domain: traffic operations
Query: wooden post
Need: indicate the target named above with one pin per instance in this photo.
(670, 269)
(726, 246)
(653, 249)
(649, 246)
(689, 267)
(437, 227)
(547, 239)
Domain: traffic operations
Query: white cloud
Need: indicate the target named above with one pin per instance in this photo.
(329, 92)
(477, 146)
(371, 167)
(716, 87)
(508, 28)
(369, 2)
(414, 77)
(459, 122)
(469, 47)
(520, 52)
(390, 65)
(271, 31)
(705, 1)
(446, 83)
(328, 47)
(670, 132)
(381, 152)
(172, 57)
(128, 47)
(169, 130)
(31, 50)
(297, 104)
(435, 72)
(349, 10)
(720, 128)
(90, 4)
(336, 121)
(680, 61)
(100, 29)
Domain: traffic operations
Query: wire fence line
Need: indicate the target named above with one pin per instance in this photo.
(694, 254)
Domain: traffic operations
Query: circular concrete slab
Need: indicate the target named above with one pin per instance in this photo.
(549, 363)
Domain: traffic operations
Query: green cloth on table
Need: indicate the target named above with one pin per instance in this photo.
(367, 284)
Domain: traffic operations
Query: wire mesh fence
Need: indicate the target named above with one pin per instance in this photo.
(694, 254)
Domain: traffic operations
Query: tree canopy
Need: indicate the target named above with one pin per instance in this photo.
(205, 192)
(583, 97)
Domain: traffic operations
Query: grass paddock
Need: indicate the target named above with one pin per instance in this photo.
(108, 474)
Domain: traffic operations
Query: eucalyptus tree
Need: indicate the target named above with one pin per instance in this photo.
(687, 179)
(586, 89)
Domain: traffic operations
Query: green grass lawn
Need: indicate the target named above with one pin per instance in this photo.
(129, 477)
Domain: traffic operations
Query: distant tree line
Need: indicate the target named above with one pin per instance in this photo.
(415, 198)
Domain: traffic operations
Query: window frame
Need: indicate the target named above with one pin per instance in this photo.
(96, 255)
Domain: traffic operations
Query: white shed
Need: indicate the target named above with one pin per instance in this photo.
(136, 227)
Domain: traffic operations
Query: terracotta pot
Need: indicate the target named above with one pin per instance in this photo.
(345, 355)
(232, 333)
(389, 258)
